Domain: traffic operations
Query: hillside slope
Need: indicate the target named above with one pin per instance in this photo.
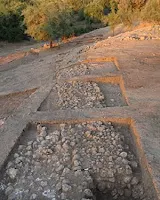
(86, 125)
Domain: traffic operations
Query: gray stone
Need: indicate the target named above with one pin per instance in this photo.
(128, 170)
(58, 186)
(43, 133)
(127, 179)
(76, 163)
(78, 173)
(65, 146)
(66, 170)
(20, 147)
(123, 154)
(19, 159)
(16, 155)
(110, 158)
(134, 181)
(88, 193)
(76, 157)
(134, 164)
(137, 191)
(28, 148)
(59, 168)
(58, 147)
(9, 190)
(12, 172)
(112, 180)
(66, 188)
(28, 153)
(43, 183)
(63, 196)
(127, 192)
(9, 164)
(33, 196)
(103, 173)
(102, 186)
(101, 150)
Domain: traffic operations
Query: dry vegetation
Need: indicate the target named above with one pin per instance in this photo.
(55, 19)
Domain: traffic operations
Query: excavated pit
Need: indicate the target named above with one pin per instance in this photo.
(101, 68)
(112, 94)
(84, 94)
(95, 160)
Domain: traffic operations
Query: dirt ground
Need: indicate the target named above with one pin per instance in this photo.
(72, 80)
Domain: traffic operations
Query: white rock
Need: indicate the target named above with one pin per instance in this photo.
(33, 196)
(12, 172)
(123, 154)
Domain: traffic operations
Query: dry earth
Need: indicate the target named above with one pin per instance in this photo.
(82, 121)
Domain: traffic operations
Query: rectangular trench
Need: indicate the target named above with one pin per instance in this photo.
(82, 154)
(113, 94)
(101, 68)
(110, 88)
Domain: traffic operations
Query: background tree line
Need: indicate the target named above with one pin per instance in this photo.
(54, 19)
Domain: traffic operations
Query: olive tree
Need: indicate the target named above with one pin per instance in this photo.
(48, 20)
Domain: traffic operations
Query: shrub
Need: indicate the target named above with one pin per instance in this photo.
(35, 18)
(151, 11)
(11, 26)
(60, 25)
(81, 15)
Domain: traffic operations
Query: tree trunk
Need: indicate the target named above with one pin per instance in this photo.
(113, 30)
(50, 44)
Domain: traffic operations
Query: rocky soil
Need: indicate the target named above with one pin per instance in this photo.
(72, 71)
(141, 34)
(80, 95)
(74, 162)
(152, 33)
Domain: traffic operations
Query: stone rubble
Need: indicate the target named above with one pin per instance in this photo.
(74, 162)
(80, 95)
(146, 33)
(72, 71)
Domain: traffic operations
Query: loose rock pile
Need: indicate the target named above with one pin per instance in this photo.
(79, 95)
(138, 37)
(73, 162)
(143, 34)
(146, 33)
(72, 71)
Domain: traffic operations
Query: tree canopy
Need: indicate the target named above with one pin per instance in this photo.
(53, 19)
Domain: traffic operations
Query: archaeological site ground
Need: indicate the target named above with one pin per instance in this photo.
(82, 121)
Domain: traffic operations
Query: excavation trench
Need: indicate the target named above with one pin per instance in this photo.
(86, 93)
(101, 68)
(96, 160)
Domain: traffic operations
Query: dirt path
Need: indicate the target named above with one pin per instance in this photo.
(97, 109)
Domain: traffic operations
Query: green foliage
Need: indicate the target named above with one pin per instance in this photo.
(35, 19)
(126, 17)
(113, 18)
(11, 27)
(11, 22)
(151, 11)
(53, 19)
(94, 9)
(59, 25)
(81, 15)
(124, 11)
(135, 4)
